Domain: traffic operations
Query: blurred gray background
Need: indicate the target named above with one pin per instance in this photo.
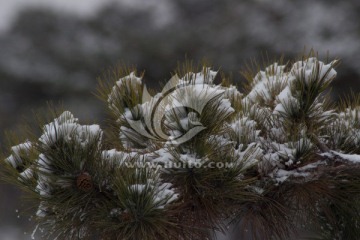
(55, 50)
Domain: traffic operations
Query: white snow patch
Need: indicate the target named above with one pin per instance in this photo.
(310, 66)
(165, 193)
(282, 175)
(66, 127)
(14, 159)
(207, 76)
(354, 158)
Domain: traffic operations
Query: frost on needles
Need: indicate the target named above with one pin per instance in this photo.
(276, 159)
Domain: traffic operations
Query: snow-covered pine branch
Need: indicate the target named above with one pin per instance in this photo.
(197, 156)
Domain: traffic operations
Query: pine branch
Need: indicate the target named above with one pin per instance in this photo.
(189, 160)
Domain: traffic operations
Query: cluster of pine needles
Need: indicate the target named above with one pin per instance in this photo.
(285, 159)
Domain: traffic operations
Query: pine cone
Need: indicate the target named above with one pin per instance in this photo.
(84, 182)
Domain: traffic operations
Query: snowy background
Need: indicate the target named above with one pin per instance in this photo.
(54, 50)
